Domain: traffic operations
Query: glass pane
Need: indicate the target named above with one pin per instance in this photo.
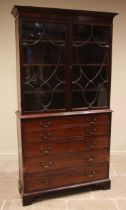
(43, 43)
(43, 53)
(102, 34)
(90, 66)
(89, 54)
(36, 29)
(44, 66)
(89, 87)
(44, 88)
(91, 33)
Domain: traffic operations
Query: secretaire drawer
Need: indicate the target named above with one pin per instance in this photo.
(62, 146)
(54, 162)
(66, 177)
(66, 121)
(51, 123)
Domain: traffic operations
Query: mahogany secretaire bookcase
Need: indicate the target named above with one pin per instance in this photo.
(64, 116)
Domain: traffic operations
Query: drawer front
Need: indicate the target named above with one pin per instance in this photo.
(49, 135)
(65, 133)
(51, 123)
(66, 177)
(88, 143)
(54, 162)
(59, 122)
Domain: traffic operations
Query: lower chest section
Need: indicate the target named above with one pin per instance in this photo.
(65, 151)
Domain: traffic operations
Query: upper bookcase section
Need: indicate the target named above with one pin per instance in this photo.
(64, 59)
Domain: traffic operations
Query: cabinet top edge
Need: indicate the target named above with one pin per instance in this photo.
(72, 113)
(17, 10)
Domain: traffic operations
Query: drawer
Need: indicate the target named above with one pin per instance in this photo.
(51, 122)
(66, 160)
(67, 121)
(66, 177)
(65, 133)
(49, 134)
(58, 147)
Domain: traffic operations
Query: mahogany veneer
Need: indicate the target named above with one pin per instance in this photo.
(64, 116)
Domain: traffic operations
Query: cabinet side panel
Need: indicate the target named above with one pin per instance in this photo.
(20, 156)
(18, 64)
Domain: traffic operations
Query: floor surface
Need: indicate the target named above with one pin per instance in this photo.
(114, 199)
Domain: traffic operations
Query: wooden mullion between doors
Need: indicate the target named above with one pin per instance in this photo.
(69, 66)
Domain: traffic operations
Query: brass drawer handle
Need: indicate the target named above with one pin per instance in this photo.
(45, 181)
(94, 119)
(46, 165)
(90, 173)
(91, 144)
(91, 130)
(45, 124)
(45, 135)
(45, 150)
(90, 158)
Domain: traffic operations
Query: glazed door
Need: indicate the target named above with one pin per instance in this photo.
(44, 65)
(91, 48)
